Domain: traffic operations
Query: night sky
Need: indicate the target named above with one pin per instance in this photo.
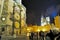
(36, 8)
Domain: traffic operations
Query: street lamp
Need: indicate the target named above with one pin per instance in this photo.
(44, 30)
(44, 33)
(28, 33)
(38, 30)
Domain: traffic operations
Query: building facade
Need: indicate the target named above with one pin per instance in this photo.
(12, 17)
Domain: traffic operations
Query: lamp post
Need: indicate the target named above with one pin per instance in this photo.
(44, 31)
(38, 34)
(28, 33)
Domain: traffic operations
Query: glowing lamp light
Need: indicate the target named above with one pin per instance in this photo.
(28, 29)
(44, 30)
(3, 19)
(38, 30)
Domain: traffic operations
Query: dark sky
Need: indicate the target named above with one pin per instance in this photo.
(36, 7)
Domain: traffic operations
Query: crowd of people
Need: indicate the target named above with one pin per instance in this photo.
(52, 35)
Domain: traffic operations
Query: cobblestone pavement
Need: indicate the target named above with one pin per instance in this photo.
(14, 38)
